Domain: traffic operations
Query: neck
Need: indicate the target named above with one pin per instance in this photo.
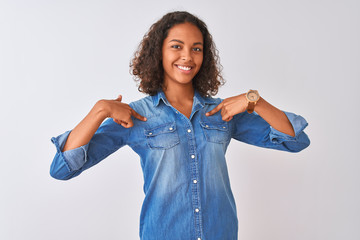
(179, 93)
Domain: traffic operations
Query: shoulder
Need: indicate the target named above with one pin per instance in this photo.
(211, 102)
(143, 106)
(141, 102)
(215, 100)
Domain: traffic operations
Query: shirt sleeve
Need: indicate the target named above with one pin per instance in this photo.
(109, 137)
(253, 129)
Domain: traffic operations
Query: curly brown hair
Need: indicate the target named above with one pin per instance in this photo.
(146, 65)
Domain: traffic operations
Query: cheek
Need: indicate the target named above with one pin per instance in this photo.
(167, 58)
(199, 61)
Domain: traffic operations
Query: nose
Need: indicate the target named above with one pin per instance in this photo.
(186, 55)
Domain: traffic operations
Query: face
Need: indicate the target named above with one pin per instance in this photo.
(252, 96)
(182, 54)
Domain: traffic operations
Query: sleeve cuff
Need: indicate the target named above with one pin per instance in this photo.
(74, 158)
(298, 123)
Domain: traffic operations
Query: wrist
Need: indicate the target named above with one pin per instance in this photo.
(259, 103)
(101, 109)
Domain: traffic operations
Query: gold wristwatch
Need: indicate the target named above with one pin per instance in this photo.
(252, 96)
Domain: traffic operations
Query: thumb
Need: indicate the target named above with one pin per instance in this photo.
(127, 124)
(119, 98)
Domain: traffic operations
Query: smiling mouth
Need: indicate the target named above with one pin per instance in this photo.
(184, 68)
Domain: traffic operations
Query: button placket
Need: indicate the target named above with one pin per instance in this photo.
(196, 197)
(194, 176)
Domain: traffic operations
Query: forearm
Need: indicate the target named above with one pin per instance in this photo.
(275, 117)
(86, 129)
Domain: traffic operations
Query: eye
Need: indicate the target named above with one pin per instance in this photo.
(197, 49)
(176, 46)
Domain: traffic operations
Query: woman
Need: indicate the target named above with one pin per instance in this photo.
(180, 133)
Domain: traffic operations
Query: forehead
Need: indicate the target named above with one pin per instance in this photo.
(185, 31)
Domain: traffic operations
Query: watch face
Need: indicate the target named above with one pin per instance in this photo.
(253, 96)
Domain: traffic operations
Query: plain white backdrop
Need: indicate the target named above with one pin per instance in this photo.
(57, 58)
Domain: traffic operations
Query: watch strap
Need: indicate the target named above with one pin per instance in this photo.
(251, 106)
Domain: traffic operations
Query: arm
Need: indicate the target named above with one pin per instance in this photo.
(268, 127)
(238, 104)
(87, 144)
(83, 132)
(275, 117)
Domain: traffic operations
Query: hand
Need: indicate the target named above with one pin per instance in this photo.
(121, 112)
(230, 107)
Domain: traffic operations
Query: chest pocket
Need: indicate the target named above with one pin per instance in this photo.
(217, 132)
(163, 136)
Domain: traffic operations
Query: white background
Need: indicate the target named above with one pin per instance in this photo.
(57, 58)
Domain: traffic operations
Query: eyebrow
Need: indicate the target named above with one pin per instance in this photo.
(179, 41)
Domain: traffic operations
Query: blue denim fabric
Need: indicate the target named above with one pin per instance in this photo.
(186, 182)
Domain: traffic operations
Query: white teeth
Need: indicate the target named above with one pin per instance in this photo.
(184, 68)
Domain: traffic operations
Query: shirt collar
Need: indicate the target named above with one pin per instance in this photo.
(198, 99)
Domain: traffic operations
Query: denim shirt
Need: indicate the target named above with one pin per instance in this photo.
(186, 182)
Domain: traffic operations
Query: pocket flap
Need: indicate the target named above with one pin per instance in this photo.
(164, 128)
(222, 126)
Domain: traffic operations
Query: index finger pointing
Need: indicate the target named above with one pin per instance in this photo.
(138, 116)
(215, 110)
